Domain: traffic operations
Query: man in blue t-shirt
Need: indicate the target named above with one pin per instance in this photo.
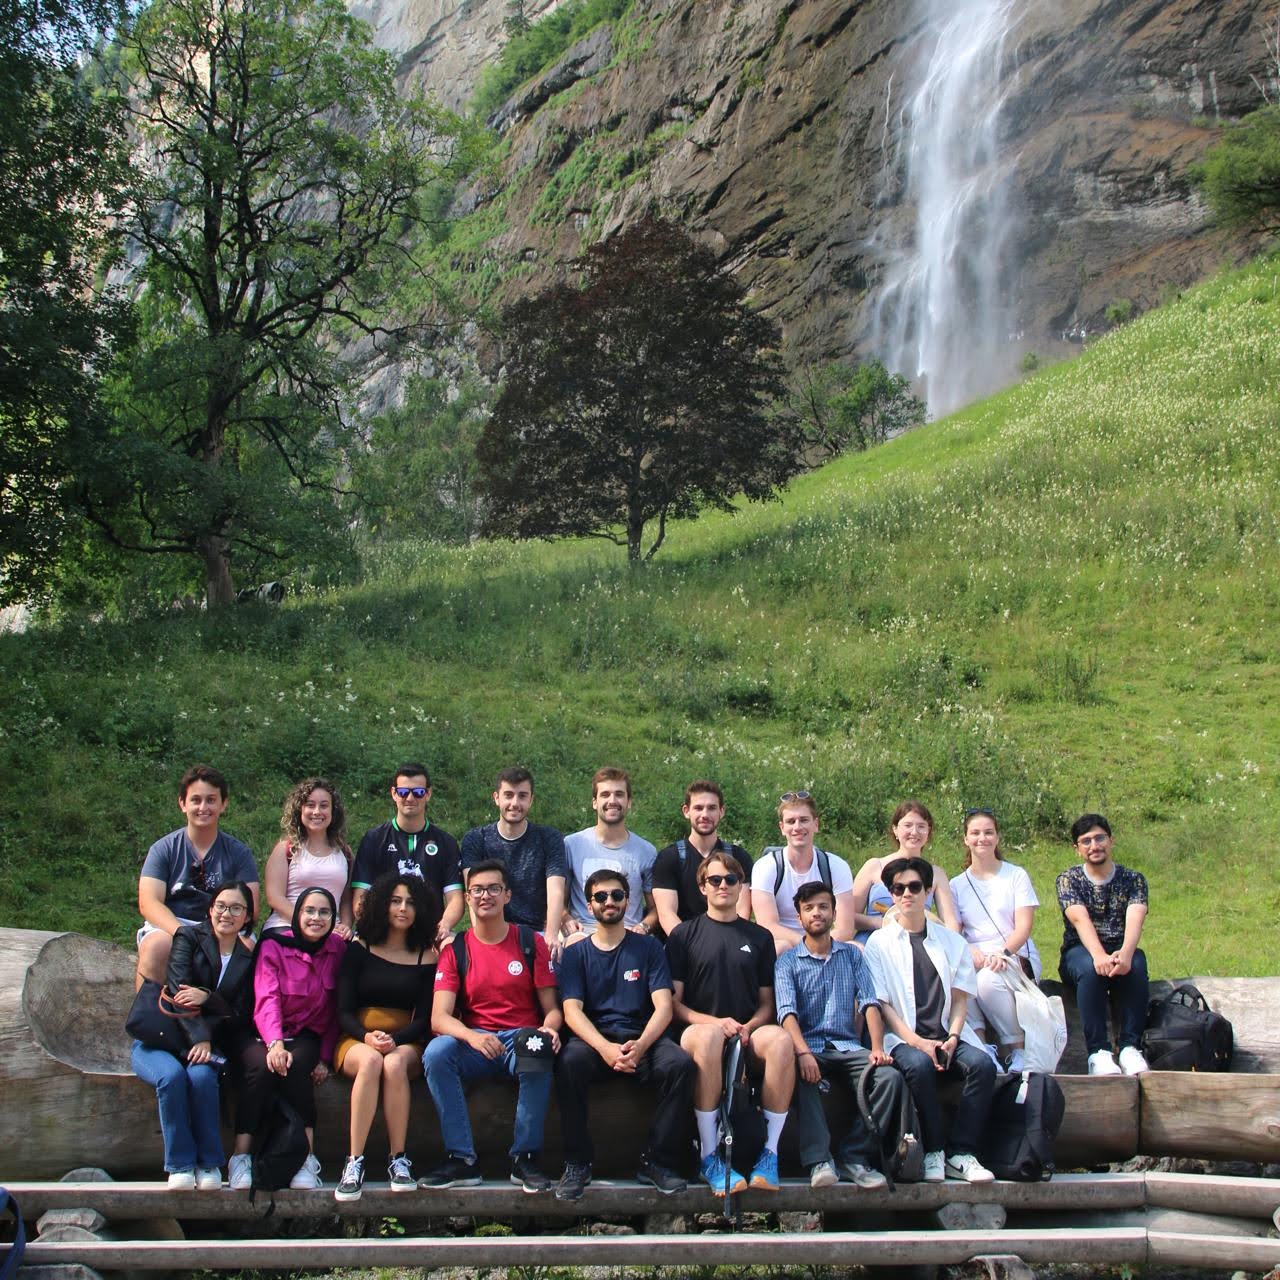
(616, 990)
(533, 854)
(411, 845)
(182, 870)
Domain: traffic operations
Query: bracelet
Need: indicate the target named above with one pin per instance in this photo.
(808, 1053)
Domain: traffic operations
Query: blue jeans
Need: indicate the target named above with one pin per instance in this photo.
(1094, 994)
(188, 1098)
(448, 1064)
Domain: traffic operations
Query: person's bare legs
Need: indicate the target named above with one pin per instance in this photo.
(153, 957)
(399, 1068)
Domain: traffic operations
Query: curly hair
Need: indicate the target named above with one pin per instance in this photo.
(372, 920)
(291, 815)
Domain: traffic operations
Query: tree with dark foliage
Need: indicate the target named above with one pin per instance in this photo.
(61, 146)
(639, 396)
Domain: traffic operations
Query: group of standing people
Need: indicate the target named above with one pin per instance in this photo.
(596, 956)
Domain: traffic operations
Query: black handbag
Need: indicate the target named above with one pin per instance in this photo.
(155, 1021)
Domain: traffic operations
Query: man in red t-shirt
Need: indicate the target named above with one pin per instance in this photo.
(502, 998)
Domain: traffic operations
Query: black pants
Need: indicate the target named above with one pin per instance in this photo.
(666, 1066)
(813, 1135)
(258, 1085)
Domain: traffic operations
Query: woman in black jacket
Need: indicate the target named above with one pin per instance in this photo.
(210, 974)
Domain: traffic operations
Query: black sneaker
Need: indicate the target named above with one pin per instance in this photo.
(573, 1182)
(654, 1175)
(352, 1181)
(454, 1171)
(525, 1173)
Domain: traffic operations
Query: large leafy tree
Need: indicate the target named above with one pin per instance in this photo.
(60, 153)
(640, 395)
(851, 407)
(277, 181)
(1240, 176)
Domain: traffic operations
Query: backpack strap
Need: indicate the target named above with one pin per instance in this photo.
(13, 1255)
(525, 938)
(824, 867)
(779, 867)
(822, 857)
(863, 1098)
(682, 852)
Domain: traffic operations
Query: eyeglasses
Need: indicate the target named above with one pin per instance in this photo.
(222, 909)
(200, 876)
(318, 913)
(608, 895)
(403, 793)
(912, 886)
(486, 890)
(716, 881)
(1100, 838)
(787, 796)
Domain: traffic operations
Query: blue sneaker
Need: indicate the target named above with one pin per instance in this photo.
(764, 1177)
(711, 1172)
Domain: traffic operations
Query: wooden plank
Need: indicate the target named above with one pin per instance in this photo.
(121, 1201)
(1222, 1253)
(871, 1248)
(1213, 1193)
(1224, 1117)
(1101, 1123)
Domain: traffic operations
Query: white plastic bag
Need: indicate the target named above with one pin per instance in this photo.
(1042, 1018)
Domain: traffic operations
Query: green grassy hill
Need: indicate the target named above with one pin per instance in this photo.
(1062, 598)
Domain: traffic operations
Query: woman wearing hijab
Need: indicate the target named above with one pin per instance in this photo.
(296, 1019)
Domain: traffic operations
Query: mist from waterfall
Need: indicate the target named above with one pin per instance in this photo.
(946, 313)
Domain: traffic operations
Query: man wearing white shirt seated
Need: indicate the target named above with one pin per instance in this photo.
(924, 977)
(780, 870)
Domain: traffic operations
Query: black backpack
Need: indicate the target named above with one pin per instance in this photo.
(279, 1148)
(894, 1128)
(778, 853)
(1026, 1114)
(1184, 1034)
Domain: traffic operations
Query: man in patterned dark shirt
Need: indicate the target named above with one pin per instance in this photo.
(1104, 906)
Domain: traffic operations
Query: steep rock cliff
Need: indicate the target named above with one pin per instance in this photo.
(775, 129)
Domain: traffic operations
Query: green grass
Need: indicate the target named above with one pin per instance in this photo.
(1063, 598)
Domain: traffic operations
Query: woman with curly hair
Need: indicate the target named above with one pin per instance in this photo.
(385, 989)
(312, 850)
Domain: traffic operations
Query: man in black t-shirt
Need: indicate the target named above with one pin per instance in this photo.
(411, 845)
(675, 874)
(616, 992)
(722, 973)
(533, 854)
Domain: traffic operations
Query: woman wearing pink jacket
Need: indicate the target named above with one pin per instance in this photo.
(295, 1014)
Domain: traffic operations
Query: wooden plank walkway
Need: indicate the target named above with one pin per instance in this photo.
(132, 1200)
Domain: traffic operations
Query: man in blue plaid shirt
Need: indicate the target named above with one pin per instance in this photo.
(820, 986)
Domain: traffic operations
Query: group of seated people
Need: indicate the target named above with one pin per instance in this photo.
(594, 956)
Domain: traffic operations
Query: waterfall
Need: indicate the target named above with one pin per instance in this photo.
(946, 313)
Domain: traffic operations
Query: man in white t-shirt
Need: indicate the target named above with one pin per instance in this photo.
(781, 869)
(609, 846)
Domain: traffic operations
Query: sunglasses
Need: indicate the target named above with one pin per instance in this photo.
(716, 881)
(403, 793)
(601, 896)
(200, 877)
(978, 813)
(912, 886)
(787, 796)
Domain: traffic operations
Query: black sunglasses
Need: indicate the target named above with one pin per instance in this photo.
(403, 793)
(716, 881)
(912, 886)
(601, 896)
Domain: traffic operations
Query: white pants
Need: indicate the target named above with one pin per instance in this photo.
(993, 1009)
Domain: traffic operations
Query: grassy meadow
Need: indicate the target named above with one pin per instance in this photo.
(1062, 598)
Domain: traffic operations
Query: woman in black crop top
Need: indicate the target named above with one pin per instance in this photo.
(385, 988)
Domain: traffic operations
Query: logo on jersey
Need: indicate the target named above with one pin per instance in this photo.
(631, 975)
(746, 946)
(515, 968)
(407, 867)
(431, 849)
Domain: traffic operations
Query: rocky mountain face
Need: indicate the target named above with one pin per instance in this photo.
(789, 135)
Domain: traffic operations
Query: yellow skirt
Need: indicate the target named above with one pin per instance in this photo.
(375, 1018)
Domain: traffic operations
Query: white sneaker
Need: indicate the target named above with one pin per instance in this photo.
(823, 1174)
(182, 1180)
(1132, 1063)
(1103, 1064)
(308, 1177)
(1017, 1062)
(208, 1179)
(968, 1168)
(240, 1172)
(935, 1166)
